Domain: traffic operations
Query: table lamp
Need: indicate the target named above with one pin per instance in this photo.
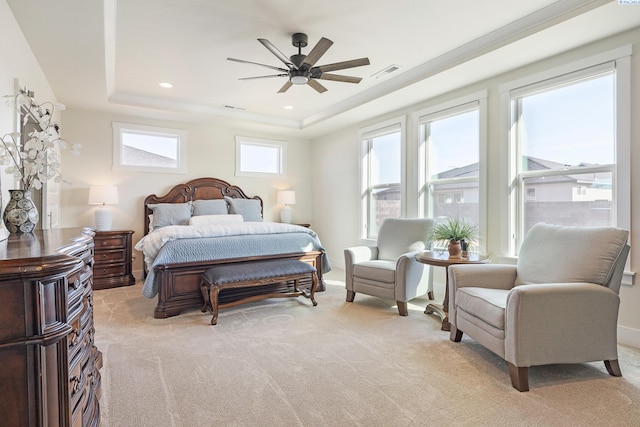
(286, 198)
(103, 195)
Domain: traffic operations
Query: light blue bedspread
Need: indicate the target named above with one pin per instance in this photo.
(224, 242)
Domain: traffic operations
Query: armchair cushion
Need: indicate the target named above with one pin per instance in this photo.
(486, 304)
(399, 236)
(587, 255)
(376, 270)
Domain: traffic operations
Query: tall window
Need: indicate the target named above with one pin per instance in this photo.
(149, 148)
(381, 175)
(569, 151)
(450, 141)
(565, 150)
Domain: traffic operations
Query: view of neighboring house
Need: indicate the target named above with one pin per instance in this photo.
(567, 197)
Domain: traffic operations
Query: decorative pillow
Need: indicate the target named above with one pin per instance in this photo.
(170, 214)
(210, 207)
(215, 219)
(250, 209)
(150, 223)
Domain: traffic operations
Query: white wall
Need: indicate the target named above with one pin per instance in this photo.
(17, 62)
(336, 186)
(210, 153)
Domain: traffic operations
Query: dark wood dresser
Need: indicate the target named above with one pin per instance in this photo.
(49, 364)
(112, 256)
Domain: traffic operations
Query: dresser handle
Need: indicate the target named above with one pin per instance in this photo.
(74, 337)
(75, 384)
(75, 284)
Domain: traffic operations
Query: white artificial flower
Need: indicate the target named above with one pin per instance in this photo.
(37, 160)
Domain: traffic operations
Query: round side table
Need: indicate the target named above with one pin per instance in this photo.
(441, 259)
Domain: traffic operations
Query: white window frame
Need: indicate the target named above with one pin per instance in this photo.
(280, 146)
(460, 105)
(397, 124)
(179, 134)
(620, 59)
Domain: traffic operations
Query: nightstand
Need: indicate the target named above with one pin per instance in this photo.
(112, 259)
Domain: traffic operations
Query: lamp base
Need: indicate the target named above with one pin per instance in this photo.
(103, 218)
(285, 214)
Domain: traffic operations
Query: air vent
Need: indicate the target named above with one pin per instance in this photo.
(232, 107)
(385, 72)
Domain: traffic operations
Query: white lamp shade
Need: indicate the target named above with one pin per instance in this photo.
(287, 197)
(103, 195)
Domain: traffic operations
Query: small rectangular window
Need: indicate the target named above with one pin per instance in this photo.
(148, 148)
(260, 157)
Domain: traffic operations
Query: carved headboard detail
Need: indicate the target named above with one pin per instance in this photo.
(196, 189)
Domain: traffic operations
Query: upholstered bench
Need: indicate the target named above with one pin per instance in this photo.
(255, 273)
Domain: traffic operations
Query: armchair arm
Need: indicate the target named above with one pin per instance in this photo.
(560, 323)
(355, 255)
(412, 277)
(495, 276)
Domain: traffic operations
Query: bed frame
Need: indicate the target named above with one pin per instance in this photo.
(179, 283)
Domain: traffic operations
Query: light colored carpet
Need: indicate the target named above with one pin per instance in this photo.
(282, 362)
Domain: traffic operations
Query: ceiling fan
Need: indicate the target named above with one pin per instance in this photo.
(301, 68)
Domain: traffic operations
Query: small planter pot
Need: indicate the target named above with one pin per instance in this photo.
(21, 214)
(455, 249)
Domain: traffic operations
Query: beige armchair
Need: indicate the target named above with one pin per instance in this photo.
(389, 269)
(559, 304)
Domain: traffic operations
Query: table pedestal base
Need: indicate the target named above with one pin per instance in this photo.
(438, 310)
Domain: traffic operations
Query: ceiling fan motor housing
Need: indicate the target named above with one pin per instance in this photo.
(299, 40)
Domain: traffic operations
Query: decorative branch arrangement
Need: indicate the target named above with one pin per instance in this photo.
(33, 158)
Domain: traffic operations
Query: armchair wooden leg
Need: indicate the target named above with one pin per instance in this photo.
(613, 367)
(350, 296)
(402, 308)
(519, 377)
(455, 334)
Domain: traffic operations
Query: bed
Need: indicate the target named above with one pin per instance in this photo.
(176, 255)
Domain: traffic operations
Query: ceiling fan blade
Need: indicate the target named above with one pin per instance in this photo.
(317, 86)
(286, 87)
(338, 78)
(343, 65)
(281, 56)
(242, 61)
(318, 50)
(263, 77)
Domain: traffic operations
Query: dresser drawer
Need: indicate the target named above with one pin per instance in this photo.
(109, 270)
(111, 242)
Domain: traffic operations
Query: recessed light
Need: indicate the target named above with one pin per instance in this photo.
(166, 85)
(288, 107)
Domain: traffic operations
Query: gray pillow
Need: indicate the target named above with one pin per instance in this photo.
(250, 209)
(171, 214)
(210, 207)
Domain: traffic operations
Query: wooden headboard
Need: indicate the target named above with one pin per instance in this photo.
(196, 189)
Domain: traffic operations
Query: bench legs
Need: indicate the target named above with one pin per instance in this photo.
(210, 292)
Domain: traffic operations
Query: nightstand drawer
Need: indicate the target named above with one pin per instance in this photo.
(111, 242)
(102, 257)
(109, 270)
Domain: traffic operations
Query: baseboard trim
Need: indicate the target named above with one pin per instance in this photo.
(629, 336)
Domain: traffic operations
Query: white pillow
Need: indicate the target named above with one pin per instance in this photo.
(215, 219)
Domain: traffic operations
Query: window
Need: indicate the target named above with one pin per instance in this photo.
(450, 167)
(381, 179)
(260, 157)
(149, 149)
(569, 145)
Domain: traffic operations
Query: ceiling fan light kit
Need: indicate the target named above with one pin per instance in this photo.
(301, 68)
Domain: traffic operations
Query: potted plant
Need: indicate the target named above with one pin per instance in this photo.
(454, 231)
